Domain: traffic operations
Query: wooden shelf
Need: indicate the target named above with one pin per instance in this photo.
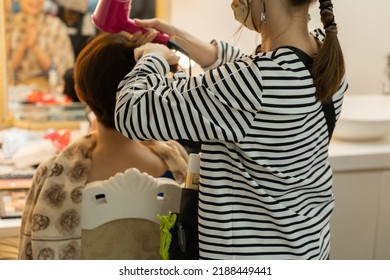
(15, 184)
(43, 125)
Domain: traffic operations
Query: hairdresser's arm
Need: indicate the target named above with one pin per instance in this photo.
(201, 52)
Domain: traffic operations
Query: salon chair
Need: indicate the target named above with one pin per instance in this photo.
(120, 216)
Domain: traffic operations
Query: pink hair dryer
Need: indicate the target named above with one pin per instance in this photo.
(112, 16)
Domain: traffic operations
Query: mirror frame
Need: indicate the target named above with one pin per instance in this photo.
(5, 116)
(163, 8)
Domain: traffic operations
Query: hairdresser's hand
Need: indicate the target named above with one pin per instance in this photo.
(140, 38)
(203, 53)
(158, 25)
(157, 49)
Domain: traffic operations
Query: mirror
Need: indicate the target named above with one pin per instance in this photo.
(34, 116)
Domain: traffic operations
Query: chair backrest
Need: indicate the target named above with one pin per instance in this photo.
(119, 215)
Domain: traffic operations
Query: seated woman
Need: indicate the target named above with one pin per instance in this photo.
(39, 41)
(51, 219)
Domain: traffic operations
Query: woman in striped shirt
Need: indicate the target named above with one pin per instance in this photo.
(266, 182)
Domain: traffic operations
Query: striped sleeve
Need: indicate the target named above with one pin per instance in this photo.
(226, 53)
(208, 107)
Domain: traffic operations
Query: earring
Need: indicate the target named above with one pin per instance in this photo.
(308, 17)
(263, 18)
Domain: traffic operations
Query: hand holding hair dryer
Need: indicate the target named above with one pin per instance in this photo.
(112, 16)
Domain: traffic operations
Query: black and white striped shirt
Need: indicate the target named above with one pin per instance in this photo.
(266, 182)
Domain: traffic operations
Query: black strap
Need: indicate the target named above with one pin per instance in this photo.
(330, 116)
(327, 108)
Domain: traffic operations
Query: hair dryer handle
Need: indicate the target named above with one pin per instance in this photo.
(161, 38)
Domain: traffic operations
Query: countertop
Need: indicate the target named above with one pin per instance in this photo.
(10, 227)
(360, 155)
(344, 156)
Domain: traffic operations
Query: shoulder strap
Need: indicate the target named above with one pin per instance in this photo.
(327, 108)
(330, 116)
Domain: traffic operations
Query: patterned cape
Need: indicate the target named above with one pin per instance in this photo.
(51, 222)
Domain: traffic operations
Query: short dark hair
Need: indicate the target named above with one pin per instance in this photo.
(99, 68)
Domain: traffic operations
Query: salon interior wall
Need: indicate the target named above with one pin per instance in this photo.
(363, 31)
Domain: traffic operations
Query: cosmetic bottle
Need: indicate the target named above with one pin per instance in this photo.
(192, 177)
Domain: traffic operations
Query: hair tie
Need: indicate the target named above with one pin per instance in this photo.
(331, 28)
(326, 7)
(326, 3)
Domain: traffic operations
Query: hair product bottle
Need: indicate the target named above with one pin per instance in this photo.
(192, 178)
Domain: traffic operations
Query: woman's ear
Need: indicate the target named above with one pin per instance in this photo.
(79, 93)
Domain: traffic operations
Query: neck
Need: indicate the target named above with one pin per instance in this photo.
(288, 29)
(112, 139)
(115, 153)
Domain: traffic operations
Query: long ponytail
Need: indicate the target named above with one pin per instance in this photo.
(328, 68)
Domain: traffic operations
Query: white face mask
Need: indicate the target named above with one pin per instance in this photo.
(242, 13)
